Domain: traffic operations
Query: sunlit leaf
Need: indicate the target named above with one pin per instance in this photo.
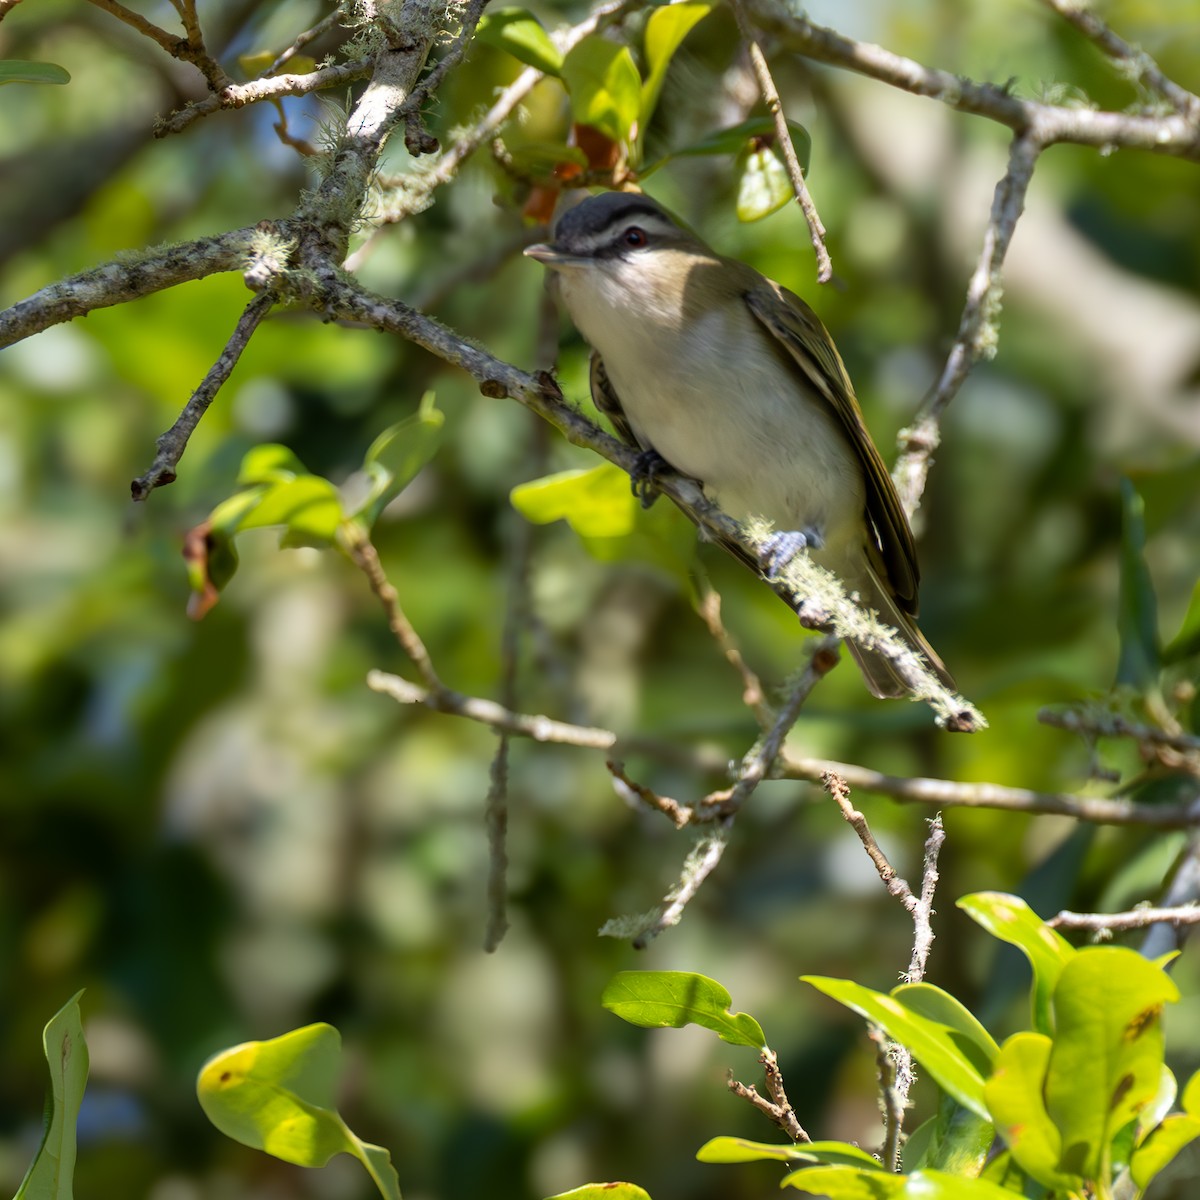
(1106, 1063)
(940, 1006)
(848, 1183)
(308, 507)
(1163, 1144)
(741, 1150)
(51, 1174)
(520, 33)
(603, 1191)
(1014, 1094)
(605, 87)
(278, 1096)
(666, 28)
(763, 186)
(596, 502)
(1011, 920)
(1137, 608)
(269, 463)
(955, 1140)
(672, 999)
(954, 1061)
(15, 70)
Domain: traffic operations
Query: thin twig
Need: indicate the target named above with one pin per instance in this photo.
(753, 696)
(190, 49)
(1138, 918)
(770, 95)
(1097, 724)
(976, 337)
(1131, 60)
(171, 445)
(364, 555)
(302, 39)
(697, 867)
(777, 1109)
(6, 6)
(238, 95)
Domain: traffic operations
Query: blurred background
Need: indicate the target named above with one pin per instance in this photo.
(220, 833)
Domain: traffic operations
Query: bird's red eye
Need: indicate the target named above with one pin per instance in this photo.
(635, 237)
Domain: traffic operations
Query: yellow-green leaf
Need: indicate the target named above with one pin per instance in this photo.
(596, 503)
(604, 86)
(672, 999)
(518, 32)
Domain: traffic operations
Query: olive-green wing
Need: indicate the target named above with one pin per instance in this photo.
(609, 403)
(799, 331)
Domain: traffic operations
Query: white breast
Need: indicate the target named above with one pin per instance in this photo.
(717, 401)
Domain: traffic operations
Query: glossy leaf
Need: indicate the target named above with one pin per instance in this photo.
(269, 463)
(940, 1006)
(1011, 920)
(278, 1096)
(1137, 609)
(672, 999)
(605, 87)
(1014, 1096)
(603, 1191)
(666, 28)
(15, 70)
(952, 1059)
(1190, 1100)
(1106, 1063)
(847, 1183)
(308, 507)
(1163, 1144)
(955, 1140)
(520, 33)
(397, 455)
(596, 503)
(741, 1150)
(763, 186)
(51, 1174)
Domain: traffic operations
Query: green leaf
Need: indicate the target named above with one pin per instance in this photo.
(672, 999)
(733, 140)
(763, 186)
(953, 1060)
(397, 455)
(596, 503)
(269, 463)
(844, 1183)
(1187, 641)
(307, 506)
(51, 1174)
(955, 1140)
(605, 87)
(1011, 920)
(665, 30)
(1163, 1144)
(1137, 609)
(1190, 1100)
(520, 33)
(1014, 1095)
(278, 1096)
(1106, 1062)
(740, 1150)
(15, 70)
(942, 1007)
(603, 1191)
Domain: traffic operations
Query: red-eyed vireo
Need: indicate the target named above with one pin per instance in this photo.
(734, 381)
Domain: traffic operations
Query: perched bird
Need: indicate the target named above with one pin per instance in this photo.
(733, 380)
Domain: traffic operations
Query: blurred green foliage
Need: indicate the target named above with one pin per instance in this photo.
(220, 832)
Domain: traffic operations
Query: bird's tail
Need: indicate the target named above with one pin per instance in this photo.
(882, 678)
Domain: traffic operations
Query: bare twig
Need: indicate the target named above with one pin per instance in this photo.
(976, 336)
(679, 814)
(364, 555)
(778, 1108)
(238, 95)
(189, 49)
(1175, 134)
(1173, 746)
(6, 6)
(1131, 61)
(496, 821)
(172, 444)
(893, 1063)
(302, 39)
(753, 696)
(770, 95)
(697, 867)
(1138, 918)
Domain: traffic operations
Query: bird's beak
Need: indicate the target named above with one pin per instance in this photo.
(551, 256)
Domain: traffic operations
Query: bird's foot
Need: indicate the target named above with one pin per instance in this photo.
(780, 548)
(646, 469)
